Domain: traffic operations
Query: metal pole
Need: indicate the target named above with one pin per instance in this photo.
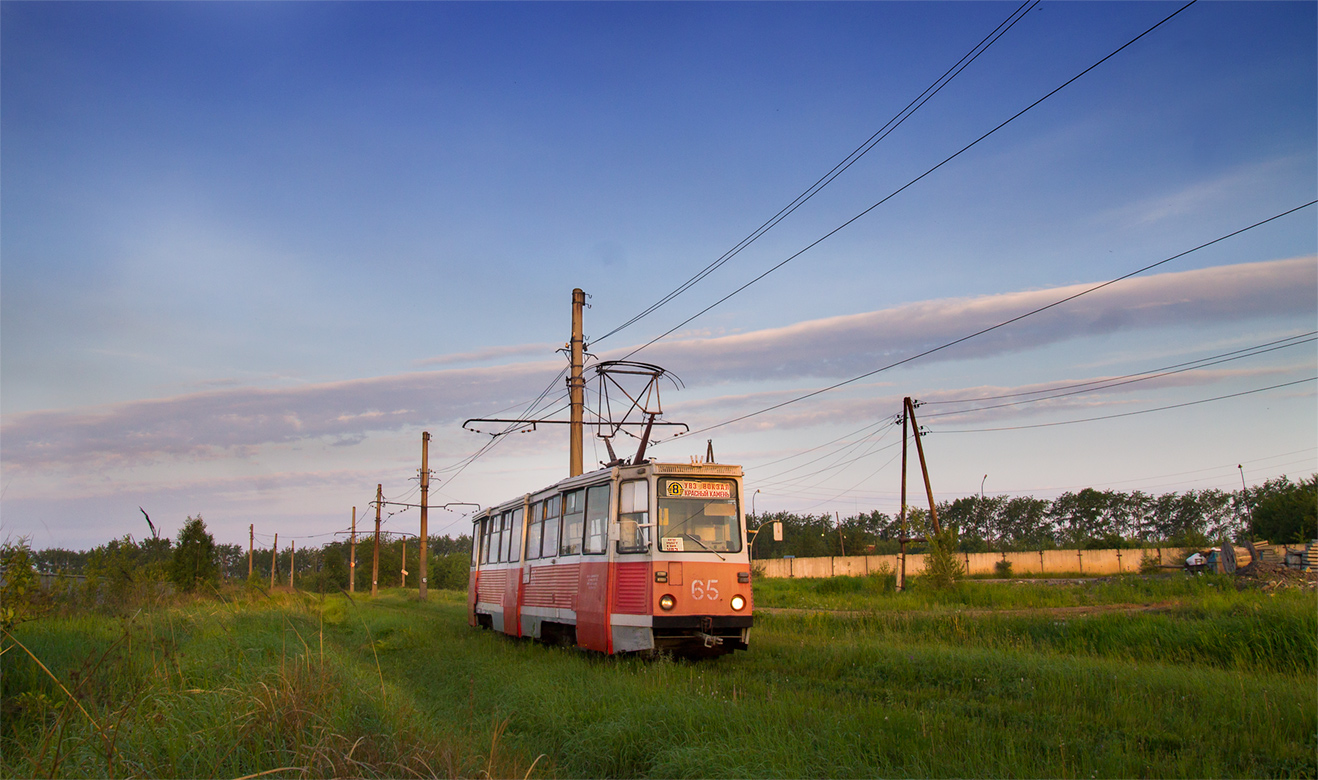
(352, 554)
(425, 492)
(375, 566)
(576, 386)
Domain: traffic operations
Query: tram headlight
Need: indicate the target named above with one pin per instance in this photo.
(667, 601)
(738, 602)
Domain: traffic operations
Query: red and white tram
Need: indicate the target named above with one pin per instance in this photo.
(632, 558)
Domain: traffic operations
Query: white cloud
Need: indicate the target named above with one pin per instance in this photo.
(228, 421)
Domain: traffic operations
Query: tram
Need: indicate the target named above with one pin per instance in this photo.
(637, 558)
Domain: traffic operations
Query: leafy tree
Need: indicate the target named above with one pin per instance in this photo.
(195, 560)
(1287, 512)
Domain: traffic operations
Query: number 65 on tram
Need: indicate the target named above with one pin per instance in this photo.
(628, 559)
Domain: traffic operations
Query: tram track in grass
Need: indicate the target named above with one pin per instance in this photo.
(920, 691)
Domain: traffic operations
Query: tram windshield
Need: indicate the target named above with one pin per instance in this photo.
(698, 515)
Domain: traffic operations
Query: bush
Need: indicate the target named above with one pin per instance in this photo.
(18, 594)
(1002, 568)
(1149, 563)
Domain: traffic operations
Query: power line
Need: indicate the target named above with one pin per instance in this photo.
(1002, 324)
(847, 162)
(1131, 414)
(897, 191)
(1129, 378)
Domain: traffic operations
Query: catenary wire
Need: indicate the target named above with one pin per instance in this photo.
(847, 162)
(910, 183)
(1002, 324)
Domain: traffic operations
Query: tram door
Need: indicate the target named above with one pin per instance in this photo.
(513, 535)
(592, 593)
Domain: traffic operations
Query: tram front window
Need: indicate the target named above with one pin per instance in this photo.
(698, 516)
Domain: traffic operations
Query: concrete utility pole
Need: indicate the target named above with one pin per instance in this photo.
(352, 554)
(274, 560)
(576, 386)
(375, 567)
(292, 555)
(402, 567)
(425, 493)
(251, 546)
(841, 543)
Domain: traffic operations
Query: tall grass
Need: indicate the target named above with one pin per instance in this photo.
(393, 687)
(212, 691)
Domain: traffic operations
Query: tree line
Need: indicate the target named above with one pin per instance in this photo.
(127, 570)
(1279, 511)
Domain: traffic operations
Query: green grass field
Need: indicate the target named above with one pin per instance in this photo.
(1130, 678)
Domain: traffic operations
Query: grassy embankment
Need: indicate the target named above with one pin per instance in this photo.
(987, 680)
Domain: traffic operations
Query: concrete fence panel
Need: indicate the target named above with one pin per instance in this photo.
(1094, 563)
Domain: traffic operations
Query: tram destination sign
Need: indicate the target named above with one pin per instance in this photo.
(687, 488)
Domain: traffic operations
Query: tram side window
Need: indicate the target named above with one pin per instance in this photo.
(514, 536)
(574, 515)
(553, 523)
(633, 515)
(535, 526)
(496, 543)
(597, 520)
(485, 540)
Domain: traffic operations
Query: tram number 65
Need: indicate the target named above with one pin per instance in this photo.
(704, 589)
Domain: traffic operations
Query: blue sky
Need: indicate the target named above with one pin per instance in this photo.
(249, 251)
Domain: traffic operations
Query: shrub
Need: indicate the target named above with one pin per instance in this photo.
(1149, 563)
(1002, 568)
(18, 594)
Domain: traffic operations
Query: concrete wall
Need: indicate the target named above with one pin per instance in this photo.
(1085, 562)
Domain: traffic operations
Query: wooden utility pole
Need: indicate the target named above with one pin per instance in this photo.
(924, 467)
(375, 566)
(576, 386)
(274, 560)
(425, 493)
(901, 571)
(251, 546)
(352, 555)
(292, 555)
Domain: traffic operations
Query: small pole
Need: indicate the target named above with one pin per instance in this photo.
(274, 560)
(251, 545)
(352, 554)
(375, 566)
(425, 493)
(292, 556)
(841, 543)
(402, 567)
